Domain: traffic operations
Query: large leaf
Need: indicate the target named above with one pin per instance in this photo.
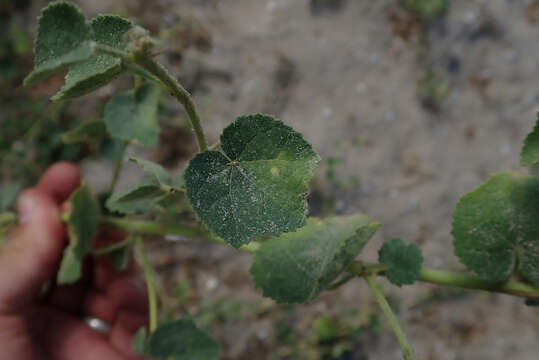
(82, 226)
(495, 228)
(257, 185)
(403, 261)
(182, 340)
(132, 115)
(63, 38)
(529, 155)
(100, 69)
(296, 267)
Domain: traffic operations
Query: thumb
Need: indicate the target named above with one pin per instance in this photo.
(32, 251)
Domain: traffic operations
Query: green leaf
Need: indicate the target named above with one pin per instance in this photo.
(182, 340)
(403, 261)
(119, 258)
(495, 228)
(132, 115)
(296, 267)
(84, 77)
(63, 38)
(8, 194)
(155, 171)
(529, 155)
(257, 185)
(137, 199)
(82, 227)
(85, 132)
(140, 342)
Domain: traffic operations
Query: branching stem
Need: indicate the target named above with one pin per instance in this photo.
(176, 90)
(117, 167)
(393, 322)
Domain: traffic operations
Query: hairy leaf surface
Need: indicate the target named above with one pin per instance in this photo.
(403, 261)
(182, 340)
(82, 227)
(296, 267)
(257, 185)
(132, 115)
(84, 77)
(529, 155)
(63, 38)
(495, 228)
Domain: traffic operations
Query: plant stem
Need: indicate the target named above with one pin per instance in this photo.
(451, 278)
(113, 247)
(145, 60)
(117, 167)
(150, 285)
(151, 227)
(386, 309)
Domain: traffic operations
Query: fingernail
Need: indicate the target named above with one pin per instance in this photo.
(26, 209)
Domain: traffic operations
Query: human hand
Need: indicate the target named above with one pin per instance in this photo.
(33, 326)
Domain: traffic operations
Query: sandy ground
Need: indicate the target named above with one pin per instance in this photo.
(349, 83)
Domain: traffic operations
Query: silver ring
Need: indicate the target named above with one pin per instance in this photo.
(97, 324)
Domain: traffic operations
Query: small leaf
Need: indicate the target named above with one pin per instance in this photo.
(495, 228)
(257, 185)
(140, 341)
(8, 194)
(182, 340)
(85, 132)
(403, 261)
(156, 171)
(84, 77)
(529, 155)
(296, 267)
(132, 115)
(63, 38)
(82, 227)
(137, 199)
(119, 258)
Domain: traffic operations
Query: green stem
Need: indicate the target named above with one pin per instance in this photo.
(386, 309)
(151, 227)
(113, 247)
(150, 284)
(456, 279)
(141, 72)
(145, 60)
(117, 167)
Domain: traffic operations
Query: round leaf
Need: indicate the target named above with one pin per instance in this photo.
(132, 115)
(296, 267)
(182, 340)
(84, 77)
(403, 261)
(257, 185)
(63, 38)
(495, 228)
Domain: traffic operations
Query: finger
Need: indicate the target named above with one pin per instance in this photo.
(121, 335)
(59, 181)
(104, 272)
(123, 294)
(32, 251)
(69, 298)
(66, 339)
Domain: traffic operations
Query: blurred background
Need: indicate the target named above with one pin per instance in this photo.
(410, 103)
